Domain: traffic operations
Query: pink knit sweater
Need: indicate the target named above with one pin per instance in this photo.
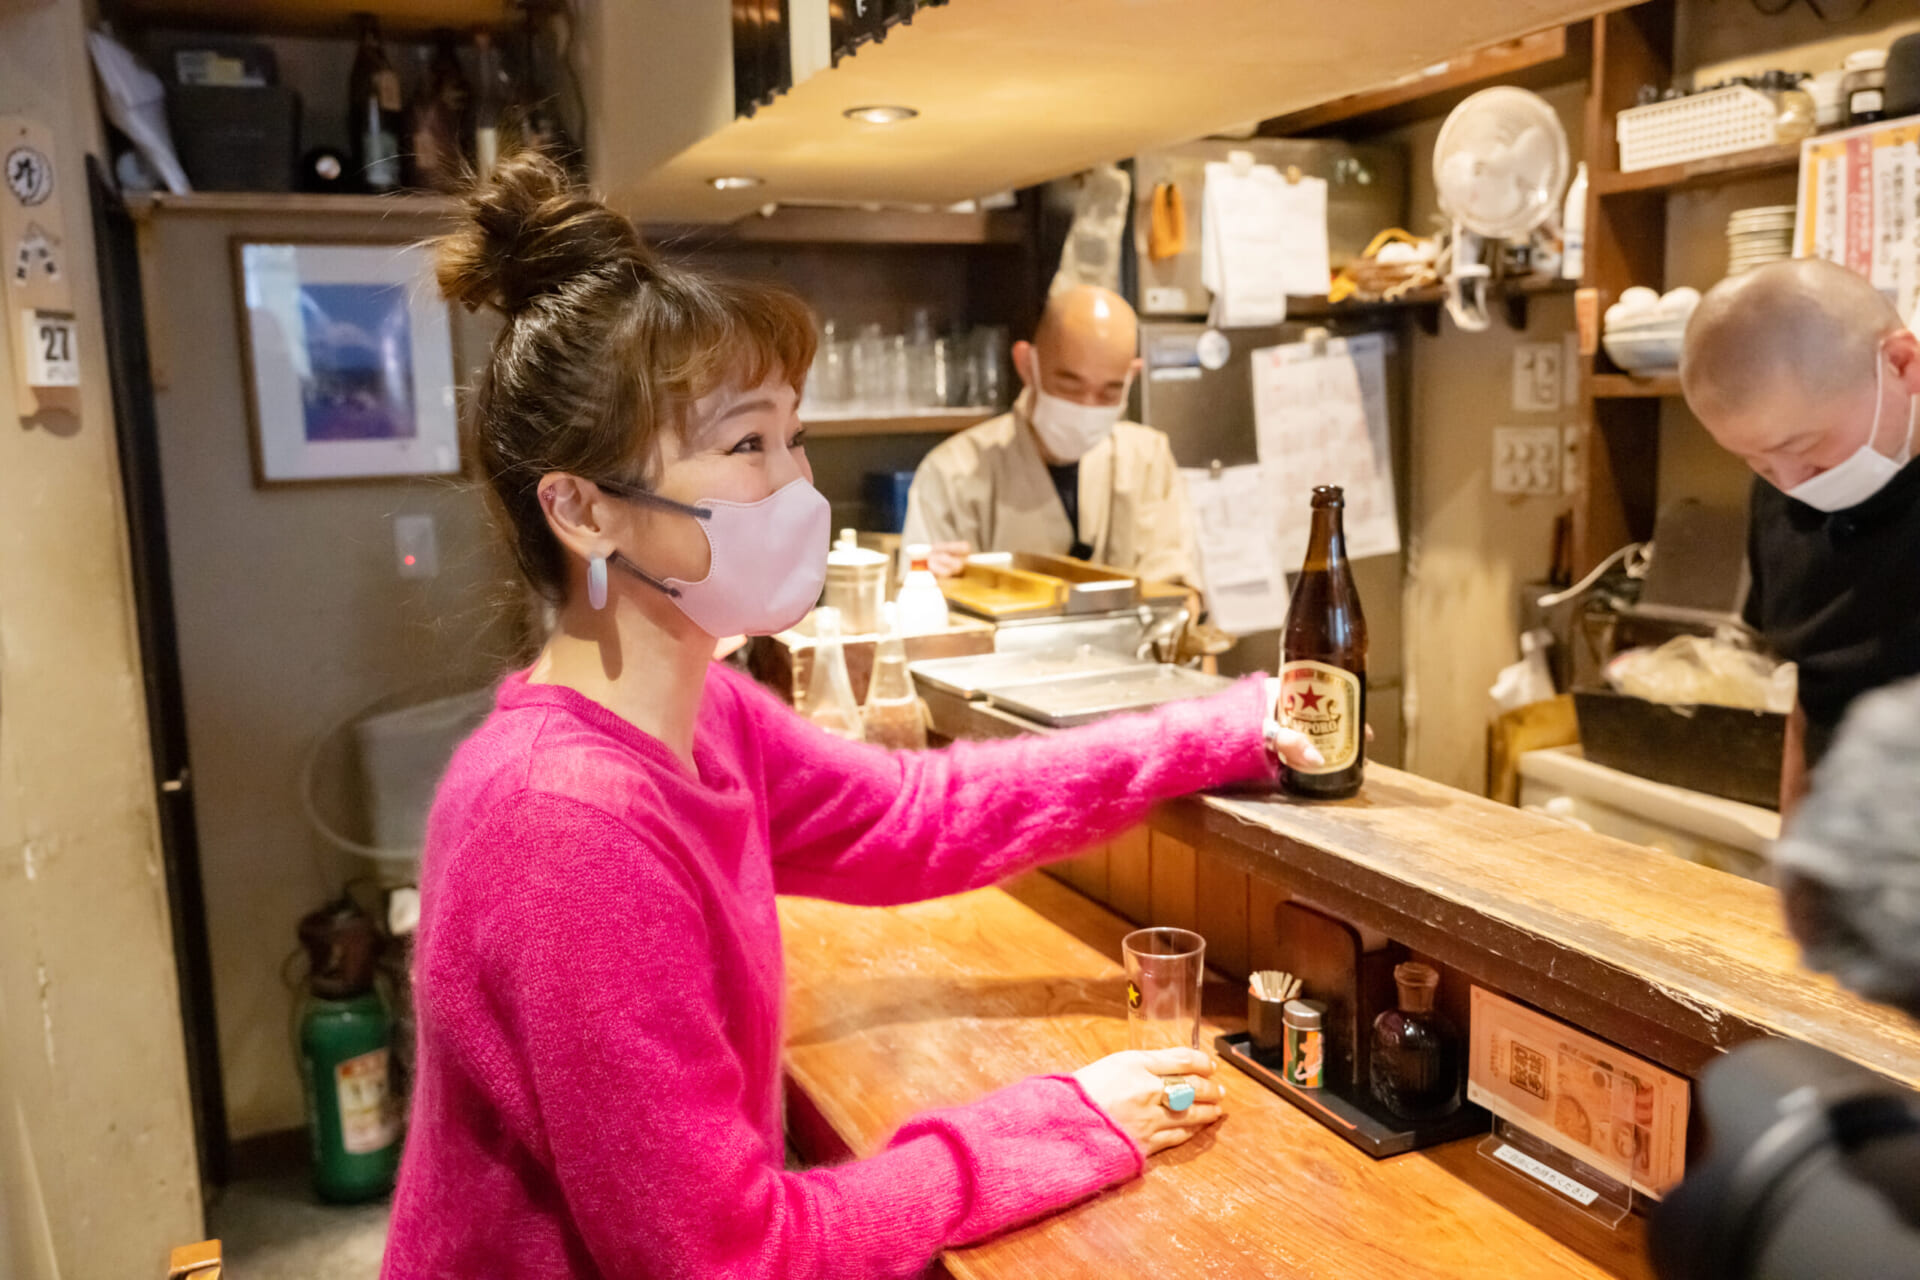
(599, 984)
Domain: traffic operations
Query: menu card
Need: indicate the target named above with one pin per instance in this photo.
(1587, 1098)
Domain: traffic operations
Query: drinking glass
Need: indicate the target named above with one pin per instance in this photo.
(872, 388)
(1163, 987)
(989, 366)
(830, 385)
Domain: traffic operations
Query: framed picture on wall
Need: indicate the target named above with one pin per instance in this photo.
(349, 360)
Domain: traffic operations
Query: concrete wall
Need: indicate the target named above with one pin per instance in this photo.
(97, 1173)
(1468, 549)
(292, 617)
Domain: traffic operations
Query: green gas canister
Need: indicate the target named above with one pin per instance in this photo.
(345, 1047)
(352, 1120)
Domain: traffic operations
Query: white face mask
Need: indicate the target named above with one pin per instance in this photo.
(769, 559)
(1865, 472)
(1070, 430)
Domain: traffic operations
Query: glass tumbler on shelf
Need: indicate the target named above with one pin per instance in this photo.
(989, 366)
(923, 384)
(830, 385)
(899, 395)
(871, 383)
(1164, 968)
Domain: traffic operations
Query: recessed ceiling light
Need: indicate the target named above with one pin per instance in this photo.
(880, 115)
(734, 182)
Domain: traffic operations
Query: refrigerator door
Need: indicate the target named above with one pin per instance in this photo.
(1366, 193)
(1206, 413)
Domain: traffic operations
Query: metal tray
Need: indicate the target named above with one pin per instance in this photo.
(969, 677)
(1072, 700)
(1091, 588)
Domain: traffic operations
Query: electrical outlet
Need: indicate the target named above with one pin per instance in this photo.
(1526, 460)
(416, 549)
(1570, 459)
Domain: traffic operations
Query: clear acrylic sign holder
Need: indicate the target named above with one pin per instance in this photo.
(1603, 1195)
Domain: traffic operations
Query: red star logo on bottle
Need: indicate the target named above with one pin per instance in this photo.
(1310, 701)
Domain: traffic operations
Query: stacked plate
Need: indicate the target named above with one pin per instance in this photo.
(1758, 236)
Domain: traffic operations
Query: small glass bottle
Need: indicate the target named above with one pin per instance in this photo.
(1863, 93)
(891, 716)
(373, 111)
(492, 92)
(830, 701)
(1414, 1070)
(1796, 119)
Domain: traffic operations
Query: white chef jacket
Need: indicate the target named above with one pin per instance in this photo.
(989, 487)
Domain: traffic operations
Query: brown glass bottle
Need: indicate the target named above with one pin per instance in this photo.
(1323, 659)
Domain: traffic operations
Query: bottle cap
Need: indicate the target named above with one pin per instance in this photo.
(1329, 495)
(1417, 983)
(1305, 1015)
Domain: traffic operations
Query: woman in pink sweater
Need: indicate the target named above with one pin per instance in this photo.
(598, 974)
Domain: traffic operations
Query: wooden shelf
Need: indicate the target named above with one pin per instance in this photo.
(925, 422)
(290, 204)
(317, 17)
(1627, 386)
(1535, 61)
(1760, 162)
(803, 225)
(811, 224)
(1433, 296)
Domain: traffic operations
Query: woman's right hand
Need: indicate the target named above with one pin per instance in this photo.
(1131, 1088)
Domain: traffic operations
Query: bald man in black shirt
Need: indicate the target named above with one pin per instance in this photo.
(1806, 372)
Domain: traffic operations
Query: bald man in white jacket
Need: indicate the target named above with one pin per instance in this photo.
(1063, 473)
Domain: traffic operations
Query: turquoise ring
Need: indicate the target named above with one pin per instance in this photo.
(1179, 1095)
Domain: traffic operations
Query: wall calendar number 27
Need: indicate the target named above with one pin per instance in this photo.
(52, 358)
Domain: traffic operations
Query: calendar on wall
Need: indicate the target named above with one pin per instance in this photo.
(1859, 205)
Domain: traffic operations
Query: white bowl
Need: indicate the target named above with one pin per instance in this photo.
(1678, 304)
(1638, 298)
(1657, 352)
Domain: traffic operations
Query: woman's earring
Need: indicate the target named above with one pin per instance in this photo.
(597, 581)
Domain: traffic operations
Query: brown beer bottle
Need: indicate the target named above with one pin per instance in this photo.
(1323, 659)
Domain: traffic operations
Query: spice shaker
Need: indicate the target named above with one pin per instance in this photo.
(1305, 1064)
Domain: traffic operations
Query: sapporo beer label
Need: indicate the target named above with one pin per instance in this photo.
(1322, 702)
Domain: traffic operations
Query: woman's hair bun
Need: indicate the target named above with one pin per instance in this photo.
(528, 231)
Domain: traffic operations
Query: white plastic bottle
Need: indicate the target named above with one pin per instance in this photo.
(1573, 226)
(920, 607)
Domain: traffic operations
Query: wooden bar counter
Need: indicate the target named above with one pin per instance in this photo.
(893, 1011)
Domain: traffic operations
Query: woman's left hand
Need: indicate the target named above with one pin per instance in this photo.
(1295, 749)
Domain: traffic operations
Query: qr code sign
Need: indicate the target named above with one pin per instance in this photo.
(1528, 1070)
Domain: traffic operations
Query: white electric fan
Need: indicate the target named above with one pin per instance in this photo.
(1499, 169)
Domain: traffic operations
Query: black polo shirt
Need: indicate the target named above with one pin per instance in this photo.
(1066, 483)
(1838, 593)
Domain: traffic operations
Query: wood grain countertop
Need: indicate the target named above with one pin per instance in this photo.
(891, 1011)
(1672, 959)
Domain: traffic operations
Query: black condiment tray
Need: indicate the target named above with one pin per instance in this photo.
(1378, 1136)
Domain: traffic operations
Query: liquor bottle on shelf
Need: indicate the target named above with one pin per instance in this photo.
(492, 98)
(1414, 1069)
(373, 112)
(442, 102)
(1323, 660)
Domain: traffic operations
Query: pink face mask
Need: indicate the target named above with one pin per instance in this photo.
(769, 559)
